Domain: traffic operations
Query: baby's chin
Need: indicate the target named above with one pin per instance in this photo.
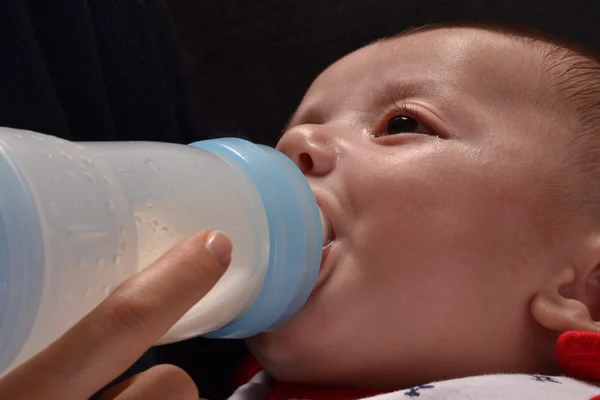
(274, 354)
(290, 354)
(277, 346)
(288, 361)
(286, 351)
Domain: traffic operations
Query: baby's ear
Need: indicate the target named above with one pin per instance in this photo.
(572, 301)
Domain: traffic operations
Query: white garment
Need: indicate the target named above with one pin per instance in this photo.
(486, 387)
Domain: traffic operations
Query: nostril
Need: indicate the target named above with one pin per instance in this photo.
(305, 162)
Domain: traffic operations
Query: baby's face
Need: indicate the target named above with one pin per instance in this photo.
(428, 157)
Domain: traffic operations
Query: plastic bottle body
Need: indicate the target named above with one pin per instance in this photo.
(78, 219)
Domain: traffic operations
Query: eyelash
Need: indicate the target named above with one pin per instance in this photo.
(396, 109)
(402, 109)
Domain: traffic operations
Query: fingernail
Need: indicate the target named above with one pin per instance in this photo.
(219, 246)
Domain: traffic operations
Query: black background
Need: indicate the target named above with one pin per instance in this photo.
(253, 60)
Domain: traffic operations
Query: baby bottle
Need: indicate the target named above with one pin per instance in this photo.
(76, 219)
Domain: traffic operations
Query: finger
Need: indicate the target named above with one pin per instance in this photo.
(117, 332)
(161, 382)
(119, 388)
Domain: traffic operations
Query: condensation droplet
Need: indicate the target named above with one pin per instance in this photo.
(47, 154)
(164, 228)
(117, 260)
(70, 176)
(89, 177)
(100, 262)
(137, 218)
(107, 180)
(17, 137)
(154, 221)
(61, 142)
(106, 290)
(152, 165)
(149, 205)
(38, 137)
(87, 293)
(110, 204)
(123, 233)
(81, 265)
(66, 156)
(123, 246)
(85, 160)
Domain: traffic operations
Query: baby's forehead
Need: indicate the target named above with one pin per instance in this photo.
(447, 65)
(443, 58)
(454, 70)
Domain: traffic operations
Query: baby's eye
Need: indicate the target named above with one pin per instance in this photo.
(405, 124)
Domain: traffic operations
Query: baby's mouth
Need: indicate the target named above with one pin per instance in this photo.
(328, 233)
(329, 240)
(328, 243)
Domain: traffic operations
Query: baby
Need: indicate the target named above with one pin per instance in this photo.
(459, 168)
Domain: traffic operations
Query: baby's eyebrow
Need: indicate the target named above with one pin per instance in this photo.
(395, 89)
(387, 89)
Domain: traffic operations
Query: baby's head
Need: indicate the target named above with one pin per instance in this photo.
(459, 169)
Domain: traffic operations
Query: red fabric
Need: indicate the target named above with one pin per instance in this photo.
(247, 369)
(578, 355)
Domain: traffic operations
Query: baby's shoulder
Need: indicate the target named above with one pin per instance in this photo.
(500, 387)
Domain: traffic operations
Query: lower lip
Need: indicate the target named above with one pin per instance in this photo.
(324, 268)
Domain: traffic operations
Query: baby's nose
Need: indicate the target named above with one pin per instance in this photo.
(308, 149)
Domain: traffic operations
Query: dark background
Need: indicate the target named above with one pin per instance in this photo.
(252, 60)
(186, 70)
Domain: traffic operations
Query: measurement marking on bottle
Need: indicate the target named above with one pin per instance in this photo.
(86, 233)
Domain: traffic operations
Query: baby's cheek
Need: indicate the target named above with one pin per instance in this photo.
(467, 213)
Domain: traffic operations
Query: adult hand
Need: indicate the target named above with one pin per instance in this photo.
(108, 340)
